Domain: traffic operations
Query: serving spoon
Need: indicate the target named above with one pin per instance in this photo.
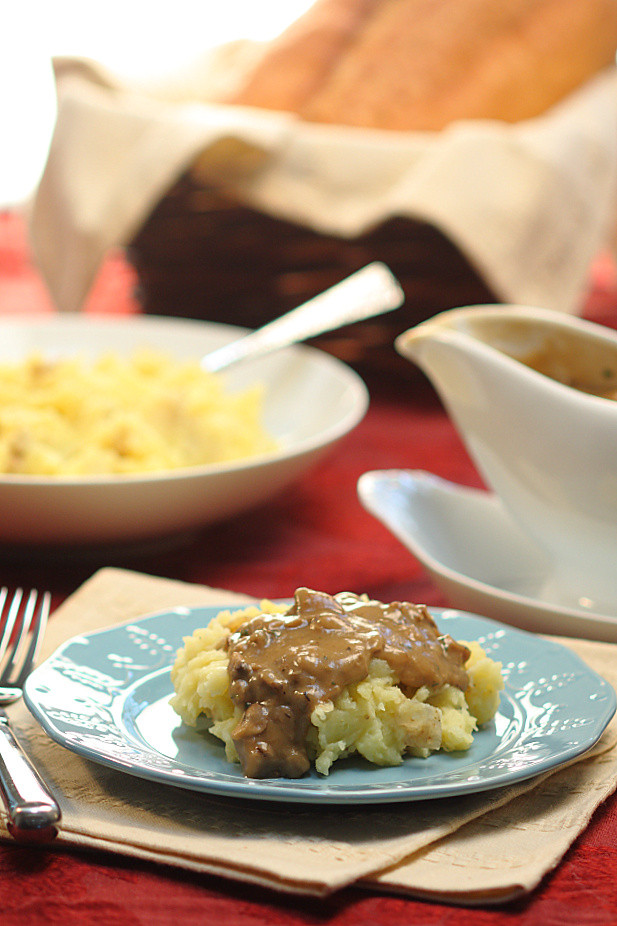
(369, 292)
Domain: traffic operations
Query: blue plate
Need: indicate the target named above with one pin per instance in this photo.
(105, 696)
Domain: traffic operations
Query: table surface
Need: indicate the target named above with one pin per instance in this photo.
(316, 533)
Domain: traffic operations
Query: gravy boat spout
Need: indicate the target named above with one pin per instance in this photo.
(531, 393)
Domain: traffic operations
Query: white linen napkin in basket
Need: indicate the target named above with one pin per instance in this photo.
(529, 204)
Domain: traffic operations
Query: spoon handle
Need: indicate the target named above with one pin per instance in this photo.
(369, 292)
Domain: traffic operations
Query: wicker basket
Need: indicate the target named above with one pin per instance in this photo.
(201, 255)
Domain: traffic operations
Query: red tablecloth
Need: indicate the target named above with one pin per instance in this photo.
(316, 533)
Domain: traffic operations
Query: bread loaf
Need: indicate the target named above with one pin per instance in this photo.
(421, 64)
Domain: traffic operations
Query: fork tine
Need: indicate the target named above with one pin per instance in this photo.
(38, 632)
(7, 631)
(16, 650)
(5, 628)
(21, 628)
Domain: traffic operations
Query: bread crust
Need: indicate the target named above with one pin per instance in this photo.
(421, 64)
(300, 63)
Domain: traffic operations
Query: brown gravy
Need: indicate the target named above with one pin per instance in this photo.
(581, 360)
(572, 370)
(282, 666)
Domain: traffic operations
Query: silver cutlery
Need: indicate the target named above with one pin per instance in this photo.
(365, 294)
(33, 812)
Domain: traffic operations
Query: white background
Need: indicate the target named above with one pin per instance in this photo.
(135, 38)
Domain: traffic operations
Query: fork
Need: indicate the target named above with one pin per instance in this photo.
(33, 813)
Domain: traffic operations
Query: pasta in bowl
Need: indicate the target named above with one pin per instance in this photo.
(280, 413)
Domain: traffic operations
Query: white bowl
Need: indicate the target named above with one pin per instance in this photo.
(311, 400)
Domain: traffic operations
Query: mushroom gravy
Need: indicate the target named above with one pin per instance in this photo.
(282, 666)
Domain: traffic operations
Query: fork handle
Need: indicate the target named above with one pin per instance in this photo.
(33, 813)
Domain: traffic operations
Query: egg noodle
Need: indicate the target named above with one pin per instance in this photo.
(114, 415)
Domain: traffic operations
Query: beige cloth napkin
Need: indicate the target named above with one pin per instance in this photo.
(479, 848)
(529, 204)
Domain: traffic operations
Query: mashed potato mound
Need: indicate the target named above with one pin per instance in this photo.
(373, 718)
(144, 413)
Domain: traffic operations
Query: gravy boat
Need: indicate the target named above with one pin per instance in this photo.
(518, 383)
